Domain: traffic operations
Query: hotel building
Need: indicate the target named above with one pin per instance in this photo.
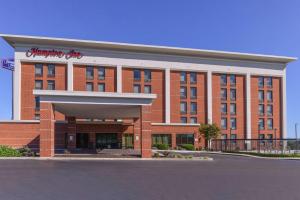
(80, 94)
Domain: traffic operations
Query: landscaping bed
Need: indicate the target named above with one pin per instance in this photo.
(6, 151)
(279, 155)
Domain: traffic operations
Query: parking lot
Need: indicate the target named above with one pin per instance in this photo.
(227, 177)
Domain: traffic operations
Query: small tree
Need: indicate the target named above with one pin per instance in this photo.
(209, 132)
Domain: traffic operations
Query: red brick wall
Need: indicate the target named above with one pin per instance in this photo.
(27, 86)
(277, 122)
(79, 75)
(20, 134)
(175, 97)
(157, 87)
(240, 105)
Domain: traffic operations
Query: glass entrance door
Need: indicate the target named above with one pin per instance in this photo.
(107, 141)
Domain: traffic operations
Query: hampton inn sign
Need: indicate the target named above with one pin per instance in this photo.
(33, 52)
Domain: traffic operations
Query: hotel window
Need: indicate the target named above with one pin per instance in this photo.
(269, 110)
(183, 107)
(193, 77)
(261, 124)
(269, 82)
(233, 109)
(101, 73)
(184, 139)
(51, 85)
(101, 87)
(183, 92)
(223, 94)
(233, 138)
(261, 95)
(161, 139)
(147, 89)
(232, 94)
(224, 136)
(193, 120)
(38, 85)
(261, 137)
(51, 70)
(136, 88)
(37, 103)
(260, 82)
(89, 87)
(183, 77)
(38, 69)
(223, 79)
(193, 108)
(269, 96)
(270, 124)
(37, 117)
(261, 109)
(137, 74)
(232, 80)
(233, 123)
(193, 93)
(270, 136)
(89, 72)
(224, 108)
(147, 75)
(224, 123)
(183, 120)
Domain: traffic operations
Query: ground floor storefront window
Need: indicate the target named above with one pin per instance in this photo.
(161, 139)
(127, 141)
(184, 139)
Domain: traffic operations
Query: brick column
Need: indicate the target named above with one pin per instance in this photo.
(71, 133)
(146, 130)
(173, 135)
(137, 134)
(47, 126)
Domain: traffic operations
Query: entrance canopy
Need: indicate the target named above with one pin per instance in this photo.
(96, 105)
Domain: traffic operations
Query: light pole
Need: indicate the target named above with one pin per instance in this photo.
(296, 134)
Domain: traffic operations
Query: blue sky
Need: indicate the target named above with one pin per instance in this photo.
(256, 26)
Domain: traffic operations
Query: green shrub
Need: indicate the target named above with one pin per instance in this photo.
(188, 147)
(162, 146)
(6, 151)
(25, 151)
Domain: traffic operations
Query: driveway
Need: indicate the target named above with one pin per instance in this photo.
(224, 178)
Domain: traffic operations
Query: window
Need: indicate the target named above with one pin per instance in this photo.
(270, 136)
(193, 108)
(233, 109)
(223, 79)
(224, 108)
(137, 74)
(269, 96)
(183, 92)
(183, 107)
(193, 93)
(51, 85)
(223, 94)
(261, 124)
(233, 123)
(101, 87)
(270, 124)
(233, 136)
(183, 120)
(38, 69)
(224, 136)
(89, 87)
(183, 77)
(224, 123)
(193, 120)
(233, 94)
(37, 117)
(184, 139)
(260, 82)
(193, 77)
(261, 109)
(147, 89)
(89, 72)
(261, 137)
(101, 73)
(38, 85)
(51, 70)
(232, 80)
(269, 110)
(37, 103)
(269, 82)
(261, 95)
(147, 75)
(136, 88)
(161, 139)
